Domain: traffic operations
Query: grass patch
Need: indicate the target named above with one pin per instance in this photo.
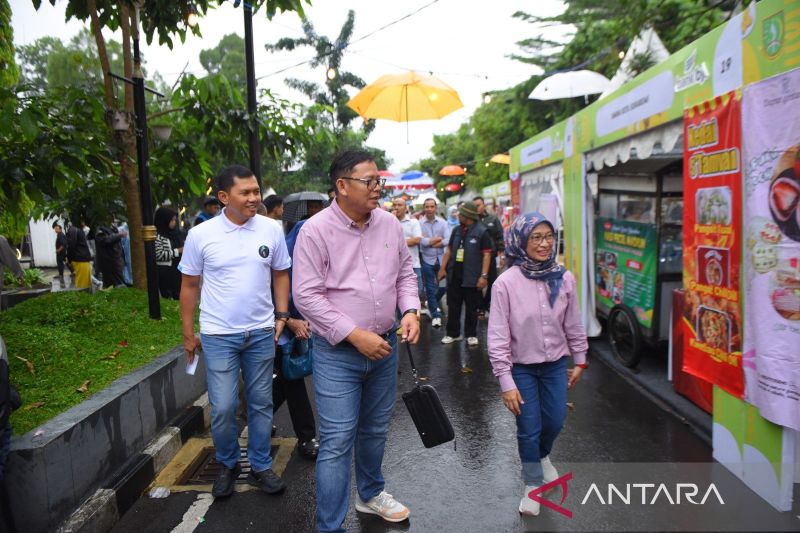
(68, 338)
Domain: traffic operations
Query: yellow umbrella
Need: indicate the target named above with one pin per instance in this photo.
(503, 159)
(405, 97)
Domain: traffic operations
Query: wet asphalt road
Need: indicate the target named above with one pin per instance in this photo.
(473, 486)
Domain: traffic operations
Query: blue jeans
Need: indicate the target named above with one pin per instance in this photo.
(254, 353)
(432, 289)
(355, 399)
(543, 387)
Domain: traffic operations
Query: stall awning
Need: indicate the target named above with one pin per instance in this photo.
(663, 141)
(538, 182)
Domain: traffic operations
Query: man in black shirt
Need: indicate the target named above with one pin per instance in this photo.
(495, 230)
(466, 265)
(61, 252)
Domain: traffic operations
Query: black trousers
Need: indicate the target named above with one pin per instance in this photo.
(458, 296)
(60, 261)
(294, 393)
(486, 301)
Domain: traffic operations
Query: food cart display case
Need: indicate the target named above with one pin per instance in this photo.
(638, 259)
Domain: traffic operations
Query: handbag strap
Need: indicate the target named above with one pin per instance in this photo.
(411, 360)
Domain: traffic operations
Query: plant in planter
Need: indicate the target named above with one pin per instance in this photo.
(17, 290)
(32, 277)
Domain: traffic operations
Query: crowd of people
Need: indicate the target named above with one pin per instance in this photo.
(345, 282)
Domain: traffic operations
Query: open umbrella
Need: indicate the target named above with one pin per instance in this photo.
(385, 174)
(503, 159)
(405, 97)
(452, 170)
(295, 206)
(412, 175)
(569, 85)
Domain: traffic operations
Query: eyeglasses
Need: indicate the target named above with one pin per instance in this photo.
(371, 183)
(537, 238)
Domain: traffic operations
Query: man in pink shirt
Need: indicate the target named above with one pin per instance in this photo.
(352, 269)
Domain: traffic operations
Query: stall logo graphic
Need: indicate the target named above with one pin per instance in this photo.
(537, 494)
(773, 34)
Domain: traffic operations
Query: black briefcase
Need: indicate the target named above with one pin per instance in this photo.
(427, 412)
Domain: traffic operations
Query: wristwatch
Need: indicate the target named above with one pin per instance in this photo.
(412, 310)
(485, 276)
(282, 315)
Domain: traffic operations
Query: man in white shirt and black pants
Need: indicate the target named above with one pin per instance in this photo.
(412, 231)
(238, 255)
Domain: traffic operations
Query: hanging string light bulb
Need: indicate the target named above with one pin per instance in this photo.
(331, 74)
(191, 17)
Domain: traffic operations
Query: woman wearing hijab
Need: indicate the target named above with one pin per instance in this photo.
(534, 325)
(452, 218)
(169, 247)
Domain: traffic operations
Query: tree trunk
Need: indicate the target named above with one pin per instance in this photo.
(124, 141)
(129, 171)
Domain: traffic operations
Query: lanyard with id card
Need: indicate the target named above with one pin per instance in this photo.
(460, 254)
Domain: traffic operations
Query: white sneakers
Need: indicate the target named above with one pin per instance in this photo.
(472, 341)
(436, 322)
(550, 472)
(528, 506)
(447, 339)
(385, 506)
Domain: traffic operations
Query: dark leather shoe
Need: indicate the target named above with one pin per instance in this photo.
(223, 486)
(266, 480)
(309, 449)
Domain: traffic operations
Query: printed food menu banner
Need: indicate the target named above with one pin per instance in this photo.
(712, 243)
(626, 265)
(771, 143)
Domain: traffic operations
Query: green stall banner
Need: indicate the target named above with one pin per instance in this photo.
(626, 266)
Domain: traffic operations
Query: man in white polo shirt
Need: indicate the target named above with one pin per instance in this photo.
(237, 254)
(413, 234)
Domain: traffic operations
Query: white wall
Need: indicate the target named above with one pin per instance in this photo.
(43, 242)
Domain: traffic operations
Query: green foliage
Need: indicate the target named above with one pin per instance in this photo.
(594, 32)
(167, 19)
(71, 337)
(210, 132)
(9, 72)
(30, 277)
(53, 145)
(313, 175)
(227, 58)
(329, 55)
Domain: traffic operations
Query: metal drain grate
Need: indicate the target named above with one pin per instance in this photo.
(204, 469)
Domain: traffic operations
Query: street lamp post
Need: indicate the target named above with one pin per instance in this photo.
(255, 147)
(142, 157)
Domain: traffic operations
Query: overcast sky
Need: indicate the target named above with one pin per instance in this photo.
(466, 43)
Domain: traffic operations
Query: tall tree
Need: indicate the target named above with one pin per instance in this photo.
(226, 58)
(329, 55)
(594, 32)
(167, 19)
(9, 73)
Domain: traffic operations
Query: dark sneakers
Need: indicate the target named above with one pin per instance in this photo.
(223, 486)
(266, 480)
(309, 449)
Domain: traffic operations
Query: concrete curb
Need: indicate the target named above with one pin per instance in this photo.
(103, 509)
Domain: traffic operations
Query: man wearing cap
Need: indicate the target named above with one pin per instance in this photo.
(210, 210)
(466, 266)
